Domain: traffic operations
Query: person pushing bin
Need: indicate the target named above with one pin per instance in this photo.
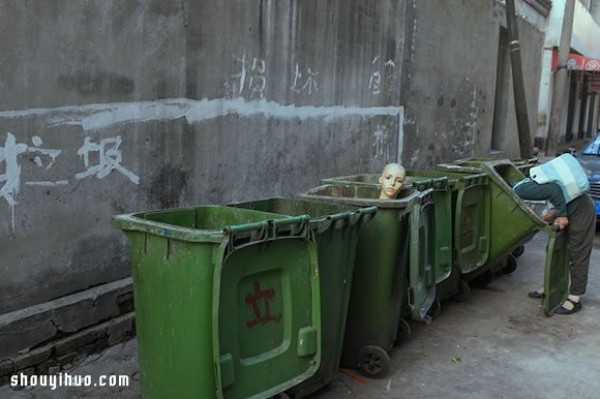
(564, 184)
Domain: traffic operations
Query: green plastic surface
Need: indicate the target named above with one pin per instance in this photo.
(336, 229)
(223, 295)
(423, 180)
(268, 321)
(380, 283)
(422, 281)
(556, 274)
(474, 165)
(472, 225)
(512, 220)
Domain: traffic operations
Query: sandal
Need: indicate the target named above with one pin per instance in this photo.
(536, 295)
(562, 310)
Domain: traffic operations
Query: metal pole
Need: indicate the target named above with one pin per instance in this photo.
(518, 83)
(561, 75)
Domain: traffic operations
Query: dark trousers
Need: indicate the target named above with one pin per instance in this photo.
(581, 230)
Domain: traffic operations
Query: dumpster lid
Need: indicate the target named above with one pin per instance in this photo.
(266, 317)
(556, 273)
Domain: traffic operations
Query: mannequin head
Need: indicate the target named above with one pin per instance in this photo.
(391, 180)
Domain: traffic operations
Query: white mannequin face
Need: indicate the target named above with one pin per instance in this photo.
(392, 181)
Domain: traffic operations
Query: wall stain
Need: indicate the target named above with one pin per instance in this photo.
(94, 83)
(167, 187)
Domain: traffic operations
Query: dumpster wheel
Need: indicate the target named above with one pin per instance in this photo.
(511, 265)
(436, 309)
(373, 362)
(404, 332)
(518, 251)
(464, 291)
(483, 279)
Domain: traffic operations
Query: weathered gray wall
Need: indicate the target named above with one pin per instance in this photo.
(113, 106)
(449, 80)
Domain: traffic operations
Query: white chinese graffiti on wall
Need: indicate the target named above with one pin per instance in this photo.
(247, 93)
(250, 81)
(304, 81)
(109, 158)
(380, 71)
(381, 145)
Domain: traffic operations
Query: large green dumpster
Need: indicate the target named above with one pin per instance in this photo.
(465, 200)
(474, 165)
(513, 221)
(379, 294)
(226, 300)
(336, 229)
(422, 180)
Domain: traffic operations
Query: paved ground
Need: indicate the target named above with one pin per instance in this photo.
(499, 344)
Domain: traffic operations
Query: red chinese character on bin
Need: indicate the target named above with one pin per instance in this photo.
(252, 299)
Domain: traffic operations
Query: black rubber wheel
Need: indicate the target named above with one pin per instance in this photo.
(483, 279)
(511, 265)
(404, 332)
(436, 309)
(518, 251)
(373, 362)
(464, 291)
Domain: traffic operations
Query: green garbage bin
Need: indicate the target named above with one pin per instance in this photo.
(336, 229)
(463, 212)
(507, 263)
(379, 293)
(422, 180)
(226, 300)
(513, 221)
(474, 165)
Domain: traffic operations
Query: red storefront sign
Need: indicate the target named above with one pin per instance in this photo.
(577, 62)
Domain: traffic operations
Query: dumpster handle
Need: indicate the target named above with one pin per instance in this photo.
(440, 183)
(423, 185)
(245, 234)
(368, 213)
(320, 225)
(296, 226)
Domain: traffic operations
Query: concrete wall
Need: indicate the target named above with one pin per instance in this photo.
(449, 85)
(119, 106)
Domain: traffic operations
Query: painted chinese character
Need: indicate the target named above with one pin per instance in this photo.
(258, 83)
(376, 77)
(380, 144)
(250, 77)
(309, 84)
(9, 155)
(109, 158)
(12, 170)
(42, 155)
(252, 299)
(296, 81)
(240, 77)
(37, 142)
